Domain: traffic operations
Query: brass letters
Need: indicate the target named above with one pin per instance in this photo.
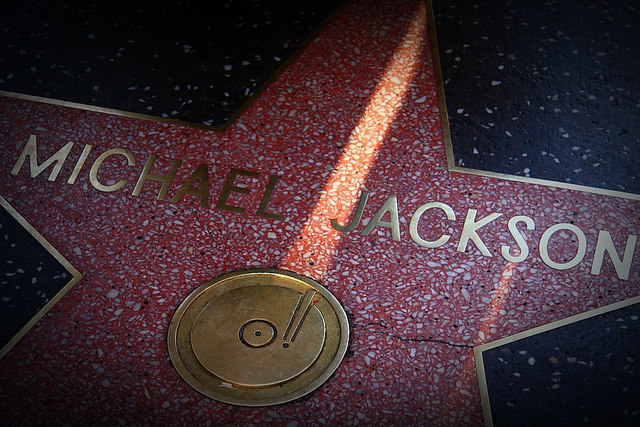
(198, 184)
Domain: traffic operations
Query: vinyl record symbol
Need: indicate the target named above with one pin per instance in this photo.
(258, 337)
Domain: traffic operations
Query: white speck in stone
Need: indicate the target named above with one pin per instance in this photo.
(595, 165)
(421, 100)
(460, 110)
(105, 383)
(531, 361)
(495, 82)
(245, 63)
(527, 170)
(277, 58)
(488, 110)
(228, 67)
(457, 59)
(118, 312)
(113, 293)
(508, 133)
(516, 374)
(475, 151)
(272, 235)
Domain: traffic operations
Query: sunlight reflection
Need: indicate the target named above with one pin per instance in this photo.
(318, 241)
(488, 328)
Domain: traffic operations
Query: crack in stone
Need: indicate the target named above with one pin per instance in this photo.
(408, 339)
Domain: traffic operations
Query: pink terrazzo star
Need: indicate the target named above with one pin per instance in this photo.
(356, 112)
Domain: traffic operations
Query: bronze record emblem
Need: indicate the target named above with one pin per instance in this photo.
(258, 337)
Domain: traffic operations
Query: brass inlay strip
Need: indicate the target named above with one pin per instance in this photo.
(448, 145)
(219, 128)
(75, 276)
(477, 351)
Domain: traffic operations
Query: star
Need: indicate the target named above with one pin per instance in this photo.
(353, 121)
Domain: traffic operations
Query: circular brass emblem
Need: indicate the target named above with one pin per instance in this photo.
(258, 337)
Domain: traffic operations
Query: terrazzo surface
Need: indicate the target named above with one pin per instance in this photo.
(547, 90)
(29, 276)
(192, 61)
(432, 268)
(584, 373)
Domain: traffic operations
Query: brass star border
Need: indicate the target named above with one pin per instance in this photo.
(218, 128)
(478, 350)
(75, 276)
(446, 133)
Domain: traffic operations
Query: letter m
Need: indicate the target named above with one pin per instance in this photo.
(30, 150)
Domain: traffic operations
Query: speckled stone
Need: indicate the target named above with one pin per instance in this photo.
(584, 373)
(29, 276)
(357, 111)
(544, 89)
(192, 61)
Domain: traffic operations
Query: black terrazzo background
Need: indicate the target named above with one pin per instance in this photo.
(585, 373)
(196, 61)
(544, 89)
(29, 276)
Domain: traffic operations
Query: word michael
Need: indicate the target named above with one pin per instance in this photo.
(200, 176)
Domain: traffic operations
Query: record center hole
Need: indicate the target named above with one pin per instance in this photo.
(285, 345)
(261, 333)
